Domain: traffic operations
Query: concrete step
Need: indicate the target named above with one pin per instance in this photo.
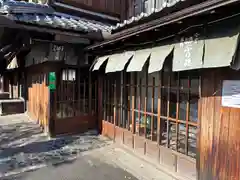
(4, 95)
(11, 106)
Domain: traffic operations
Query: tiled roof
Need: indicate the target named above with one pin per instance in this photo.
(44, 15)
(163, 5)
(11, 6)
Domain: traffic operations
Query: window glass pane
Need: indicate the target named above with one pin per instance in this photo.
(141, 124)
(137, 117)
(181, 138)
(183, 80)
(172, 136)
(130, 120)
(155, 109)
(163, 132)
(193, 107)
(192, 141)
(145, 90)
(143, 94)
(183, 99)
(173, 104)
(164, 102)
(149, 120)
(150, 94)
(154, 130)
(139, 103)
(155, 82)
(195, 85)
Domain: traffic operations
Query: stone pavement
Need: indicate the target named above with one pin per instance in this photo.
(24, 147)
(28, 154)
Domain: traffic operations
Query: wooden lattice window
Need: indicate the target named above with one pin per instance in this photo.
(161, 106)
(76, 93)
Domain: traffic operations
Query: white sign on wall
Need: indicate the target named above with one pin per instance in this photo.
(187, 45)
(231, 93)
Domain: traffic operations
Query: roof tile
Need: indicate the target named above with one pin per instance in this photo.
(44, 15)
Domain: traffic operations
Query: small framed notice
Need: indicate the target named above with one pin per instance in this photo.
(231, 93)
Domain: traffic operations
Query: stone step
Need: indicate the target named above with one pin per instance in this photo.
(4, 95)
(11, 106)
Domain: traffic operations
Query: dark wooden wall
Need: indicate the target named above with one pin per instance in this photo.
(219, 152)
(109, 7)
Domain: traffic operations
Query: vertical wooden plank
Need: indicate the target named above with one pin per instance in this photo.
(198, 159)
(101, 102)
(235, 145)
(123, 9)
(67, 94)
(207, 125)
(187, 116)
(216, 123)
(79, 92)
(111, 99)
(168, 107)
(84, 96)
(73, 96)
(90, 93)
(208, 90)
(152, 107)
(114, 101)
(104, 92)
(129, 96)
(108, 100)
(177, 113)
(122, 111)
(145, 103)
(60, 92)
(134, 93)
(159, 108)
(139, 105)
(211, 123)
(223, 156)
(96, 99)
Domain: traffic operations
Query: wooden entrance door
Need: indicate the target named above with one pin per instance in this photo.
(76, 101)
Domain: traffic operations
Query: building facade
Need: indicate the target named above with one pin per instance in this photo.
(169, 87)
(160, 77)
(45, 65)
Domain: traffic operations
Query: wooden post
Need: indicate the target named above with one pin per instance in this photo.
(133, 96)
(52, 109)
(100, 101)
(122, 112)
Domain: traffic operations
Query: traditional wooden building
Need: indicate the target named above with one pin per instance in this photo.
(164, 80)
(45, 67)
(169, 86)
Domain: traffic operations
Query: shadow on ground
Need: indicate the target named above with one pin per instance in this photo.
(24, 147)
(86, 168)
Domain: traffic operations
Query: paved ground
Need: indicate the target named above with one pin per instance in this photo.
(27, 154)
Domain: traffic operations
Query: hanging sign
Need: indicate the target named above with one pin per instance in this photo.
(52, 80)
(231, 93)
(188, 53)
(187, 44)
